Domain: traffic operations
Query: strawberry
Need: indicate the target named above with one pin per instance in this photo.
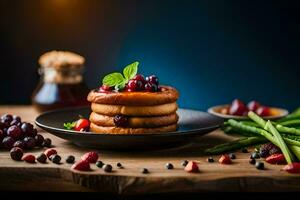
(91, 157)
(81, 165)
(225, 159)
(82, 124)
(29, 158)
(191, 167)
(292, 168)
(50, 152)
(276, 159)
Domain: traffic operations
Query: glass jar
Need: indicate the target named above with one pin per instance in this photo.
(60, 87)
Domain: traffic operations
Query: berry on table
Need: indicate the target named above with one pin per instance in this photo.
(232, 156)
(56, 159)
(99, 164)
(16, 153)
(259, 165)
(70, 159)
(184, 163)
(145, 171)
(255, 155)
(50, 152)
(90, 157)
(47, 142)
(107, 168)
(39, 139)
(191, 167)
(29, 142)
(81, 165)
(210, 159)
(169, 166)
(225, 159)
(29, 158)
(119, 165)
(41, 158)
(252, 161)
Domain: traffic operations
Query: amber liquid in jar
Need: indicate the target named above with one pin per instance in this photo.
(60, 88)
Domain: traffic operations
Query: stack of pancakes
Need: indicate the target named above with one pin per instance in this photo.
(147, 112)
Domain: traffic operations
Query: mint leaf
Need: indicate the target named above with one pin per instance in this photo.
(69, 125)
(120, 86)
(130, 70)
(113, 79)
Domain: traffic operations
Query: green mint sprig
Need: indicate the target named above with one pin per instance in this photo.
(119, 80)
(69, 125)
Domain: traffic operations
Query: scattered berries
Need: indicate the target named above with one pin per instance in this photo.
(232, 156)
(210, 159)
(292, 168)
(192, 167)
(107, 168)
(184, 163)
(276, 159)
(29, 158)
(42, 158)
(255, 155)
(70, 159)
(16, 153)
(50, 152)
(56, 159)
(145, 171)
(81, 165)
(119, 165)
(259, 165)
(252, 161)
(90, 157)
(225, 159)
(169, 166)
(47, 142)
(99, 164)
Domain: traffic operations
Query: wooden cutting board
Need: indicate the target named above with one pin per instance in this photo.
(239, 176)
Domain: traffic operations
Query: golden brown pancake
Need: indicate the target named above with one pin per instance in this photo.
(167, 95)
(136, 122)
(119, 130)
(112, 110)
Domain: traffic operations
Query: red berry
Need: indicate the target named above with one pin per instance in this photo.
(90, 157)
(29, 158)
(139, 77)
(132, 85)
(16, 153)
(263, 111)
(150, 87)
(276, 159)
(81, 165)
(39, 139)
(82, 124)
(8, 142)
(104, 89)
(29, 142)
(191, 167)
(50, 152)
(14, 132)
(253, 105)
(237, 108)
(20, 144)
(292, 168)
(225, 159)
(152, 79)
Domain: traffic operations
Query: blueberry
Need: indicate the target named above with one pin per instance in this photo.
(121, 121)
(99, 164)
(169, 166)
(47, 142)
(232, 156)
(119, 165)
(244, 150)
(70, 159)
(252, 161)
(259, 165)
(184, 163)
(56, 159)
(210, 159)
(41, 158)
(255, 155)
(107, 168)
(145, 171)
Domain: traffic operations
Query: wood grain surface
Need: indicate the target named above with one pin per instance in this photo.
(239, 176)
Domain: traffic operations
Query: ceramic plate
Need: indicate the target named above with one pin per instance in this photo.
(192, 124)
(277, 113)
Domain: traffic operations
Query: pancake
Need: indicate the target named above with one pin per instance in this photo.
(157, 110)
(135, 122)
(167, 95)
(119, 130)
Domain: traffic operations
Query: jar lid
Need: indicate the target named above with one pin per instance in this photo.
(61, 60)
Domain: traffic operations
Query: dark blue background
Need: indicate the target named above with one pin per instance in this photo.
(212, 51)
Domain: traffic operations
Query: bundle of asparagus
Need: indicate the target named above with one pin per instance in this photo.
(284, 133)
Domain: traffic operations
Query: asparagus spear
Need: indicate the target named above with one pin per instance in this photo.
(284, 129)
(285, 150)
(237, 144)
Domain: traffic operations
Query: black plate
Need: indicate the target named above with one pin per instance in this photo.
(192, 124)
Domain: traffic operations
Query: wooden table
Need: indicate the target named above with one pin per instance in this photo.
(239, 176)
